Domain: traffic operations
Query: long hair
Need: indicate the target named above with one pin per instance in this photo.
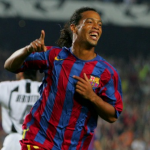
(65, 38)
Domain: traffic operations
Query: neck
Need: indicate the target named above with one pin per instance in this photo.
(83, 53)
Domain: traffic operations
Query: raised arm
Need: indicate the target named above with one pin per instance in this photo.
(16, 60)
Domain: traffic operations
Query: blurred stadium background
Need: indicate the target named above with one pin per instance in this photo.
(125, 43)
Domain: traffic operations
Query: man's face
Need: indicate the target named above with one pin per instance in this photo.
(89, 29)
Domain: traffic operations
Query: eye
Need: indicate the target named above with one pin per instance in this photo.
(89, 21)
(100, 24)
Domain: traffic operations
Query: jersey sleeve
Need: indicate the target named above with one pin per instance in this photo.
(36, 61)
(111, 92)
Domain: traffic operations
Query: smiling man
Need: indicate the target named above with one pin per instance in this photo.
(78, 86)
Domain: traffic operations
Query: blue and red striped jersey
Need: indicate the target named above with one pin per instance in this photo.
(61, 118)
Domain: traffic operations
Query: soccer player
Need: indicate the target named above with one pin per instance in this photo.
(17, 98)
(78, 85)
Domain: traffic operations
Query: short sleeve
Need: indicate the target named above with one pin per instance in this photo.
(111, 92)
(36, 61)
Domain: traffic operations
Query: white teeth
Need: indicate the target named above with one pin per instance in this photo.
(93, 33)
(94, 37)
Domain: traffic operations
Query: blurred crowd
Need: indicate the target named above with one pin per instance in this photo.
(132, 130)
(116, 1)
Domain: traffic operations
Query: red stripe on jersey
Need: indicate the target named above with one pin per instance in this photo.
(39, 63)
(103, 94)
(32, 65)
(87, 142)
(105, 77)
(72, 122)
(28, 119)
(35, 128)
(119, 103)
(26, 142)
(59, 99)
(84, 131)
(76, 110)
(49, 47)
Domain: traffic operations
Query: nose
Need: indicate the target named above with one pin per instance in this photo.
(96, 26)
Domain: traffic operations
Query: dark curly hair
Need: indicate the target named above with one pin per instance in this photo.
(65, 38)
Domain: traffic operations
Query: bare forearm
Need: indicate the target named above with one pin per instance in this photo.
(16, 59)
(104, 109)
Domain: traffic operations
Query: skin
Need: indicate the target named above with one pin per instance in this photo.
(19, 76)
(16, 60)
(83, 47)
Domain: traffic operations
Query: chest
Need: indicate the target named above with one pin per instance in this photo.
(64, 70)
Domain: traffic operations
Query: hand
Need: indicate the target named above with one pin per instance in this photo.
(38, 45)
(84, 88)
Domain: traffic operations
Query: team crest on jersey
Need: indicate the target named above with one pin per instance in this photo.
(94, 81)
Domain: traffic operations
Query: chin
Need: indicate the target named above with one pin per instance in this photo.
(90, 43)
(93, 44)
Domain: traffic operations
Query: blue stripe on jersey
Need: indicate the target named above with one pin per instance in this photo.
(83, 139)
(35, 57)
(38, 56)
(98, 70)
(36, 106)
(91, 123)
(119, 85)
(38, 103)
(110, 92)
(84, 110)
(68, 103)
(49, 105)
(79, 127)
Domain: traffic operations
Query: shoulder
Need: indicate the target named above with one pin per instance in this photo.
(8, 86)
(37, 83)
(57, 52)
(8, 83)
(107, 66)
(56, 49)
(53, 49)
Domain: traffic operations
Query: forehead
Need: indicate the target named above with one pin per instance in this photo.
(90, 14)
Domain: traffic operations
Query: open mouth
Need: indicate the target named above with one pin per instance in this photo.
(94, 35)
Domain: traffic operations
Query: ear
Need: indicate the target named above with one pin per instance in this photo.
(73, 28)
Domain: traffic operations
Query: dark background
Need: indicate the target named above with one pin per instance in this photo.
(115, 40)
